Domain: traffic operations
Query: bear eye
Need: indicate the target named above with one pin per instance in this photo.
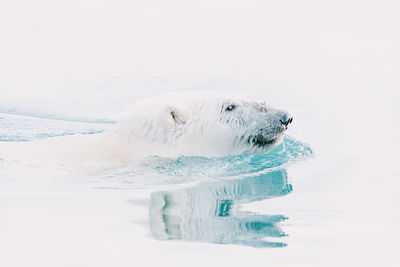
(230, 107)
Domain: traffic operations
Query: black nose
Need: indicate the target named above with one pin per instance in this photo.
(286, 119)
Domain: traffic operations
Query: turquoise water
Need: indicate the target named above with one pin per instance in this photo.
(208, 212)
(27, 128)
(289, 151)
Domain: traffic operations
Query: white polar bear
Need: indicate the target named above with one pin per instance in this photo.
(187, 123)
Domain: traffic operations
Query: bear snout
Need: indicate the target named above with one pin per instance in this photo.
(286, 119)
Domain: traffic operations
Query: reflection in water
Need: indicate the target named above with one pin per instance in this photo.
(209, 212)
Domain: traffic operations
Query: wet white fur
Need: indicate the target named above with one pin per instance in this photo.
(189, 123)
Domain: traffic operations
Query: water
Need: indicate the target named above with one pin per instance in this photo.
(25, 128)
(209, 212)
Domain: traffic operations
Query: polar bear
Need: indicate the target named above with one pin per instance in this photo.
(186, 123)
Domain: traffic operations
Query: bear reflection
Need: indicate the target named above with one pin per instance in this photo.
(209, 212)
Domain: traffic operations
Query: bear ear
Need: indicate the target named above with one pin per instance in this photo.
(177, 116)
